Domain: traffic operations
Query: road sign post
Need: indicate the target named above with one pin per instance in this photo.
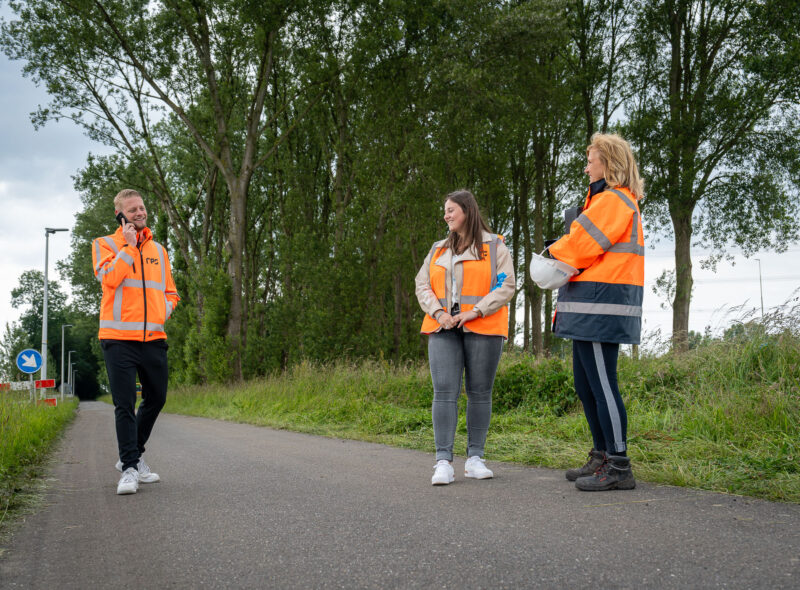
(29, 361)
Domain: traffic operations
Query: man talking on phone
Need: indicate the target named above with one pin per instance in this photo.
(138, 297)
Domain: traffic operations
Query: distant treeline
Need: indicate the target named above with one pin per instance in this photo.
(294, 155)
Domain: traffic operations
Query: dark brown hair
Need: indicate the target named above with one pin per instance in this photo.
(474, 225)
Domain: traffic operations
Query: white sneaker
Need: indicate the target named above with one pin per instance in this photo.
(476, 469)
(443, 473)
(129, 482)
(145, 475)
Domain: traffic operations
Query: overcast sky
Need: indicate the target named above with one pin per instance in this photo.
(36, 191)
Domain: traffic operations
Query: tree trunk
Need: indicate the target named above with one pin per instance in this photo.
(236, 232)
(527, 247)
(515, 242)
(341, 193)
(537, 245)
(398, 312)
(682, 222)
(552, 233)
(548, 320)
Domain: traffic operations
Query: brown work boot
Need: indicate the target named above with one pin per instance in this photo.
(614, 474)
(596, 459)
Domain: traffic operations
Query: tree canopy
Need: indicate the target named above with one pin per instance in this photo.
(295, 155)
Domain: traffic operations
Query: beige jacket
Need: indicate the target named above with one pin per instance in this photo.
(492, 302)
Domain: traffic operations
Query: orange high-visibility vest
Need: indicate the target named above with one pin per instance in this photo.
(138, 291)
(480, 277)
(604, 302)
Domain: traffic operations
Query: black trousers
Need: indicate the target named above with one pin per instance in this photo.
(594, 366)
(124, 360)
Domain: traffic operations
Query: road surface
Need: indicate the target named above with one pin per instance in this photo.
(241, 506)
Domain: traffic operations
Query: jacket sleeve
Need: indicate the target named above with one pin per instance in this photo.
(425, 295)
(504, 286)
(111, 267)
(171, 293)
(599, 227)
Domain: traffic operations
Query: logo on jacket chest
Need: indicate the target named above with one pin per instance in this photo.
(149, 260)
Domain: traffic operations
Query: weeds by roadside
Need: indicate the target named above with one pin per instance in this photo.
(723, 417)
(27, 433)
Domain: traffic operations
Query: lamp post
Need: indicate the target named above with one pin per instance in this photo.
(69, 365)
(47, 232)
(73, 387)
(62, 358)
(760, 286)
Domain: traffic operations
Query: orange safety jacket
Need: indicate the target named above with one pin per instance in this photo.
(604, 302)
(480, 278)
(138, 291)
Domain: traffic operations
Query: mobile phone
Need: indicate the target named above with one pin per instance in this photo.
(122, 219)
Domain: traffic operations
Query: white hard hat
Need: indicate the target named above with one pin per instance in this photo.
(550, 273)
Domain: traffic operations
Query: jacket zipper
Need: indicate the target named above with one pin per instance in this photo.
(144, 297)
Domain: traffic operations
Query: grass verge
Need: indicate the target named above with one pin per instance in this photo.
(723, 417)
(27, 433)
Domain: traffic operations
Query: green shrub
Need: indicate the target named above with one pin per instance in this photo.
(539, 385)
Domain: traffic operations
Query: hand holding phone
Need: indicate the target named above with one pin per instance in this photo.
(128, 229)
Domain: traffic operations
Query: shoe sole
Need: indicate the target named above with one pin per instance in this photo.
(142, 478)
(625, 485)
(443, 483)
(473, 476)
(125, 492)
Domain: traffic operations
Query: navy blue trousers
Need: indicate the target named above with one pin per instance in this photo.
(124, 360)
(594, 366)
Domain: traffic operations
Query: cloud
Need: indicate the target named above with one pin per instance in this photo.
(36, 186)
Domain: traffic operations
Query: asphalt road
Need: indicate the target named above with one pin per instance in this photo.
(247, 507)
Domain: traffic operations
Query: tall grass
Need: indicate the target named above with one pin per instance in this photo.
(724, 417)
(27, 433)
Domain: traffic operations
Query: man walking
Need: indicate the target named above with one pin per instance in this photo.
(138, 297)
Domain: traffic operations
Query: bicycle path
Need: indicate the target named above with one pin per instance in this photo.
(242, 506)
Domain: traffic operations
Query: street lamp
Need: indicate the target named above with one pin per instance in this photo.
(47, 232)
(62, 358)
(760, 286)
(73, 388)
(69, 365)
(72, 372)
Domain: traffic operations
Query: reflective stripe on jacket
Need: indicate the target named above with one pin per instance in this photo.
(604, 302)
(138, 291)
(486, 285)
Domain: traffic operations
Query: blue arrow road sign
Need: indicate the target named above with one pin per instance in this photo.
(29, 361)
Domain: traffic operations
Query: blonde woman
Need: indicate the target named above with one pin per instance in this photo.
(601, 307)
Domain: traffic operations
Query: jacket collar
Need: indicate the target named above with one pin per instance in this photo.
(598, 186)
(468, 254)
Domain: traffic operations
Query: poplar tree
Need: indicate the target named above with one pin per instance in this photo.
(715, 120)
(118, 67)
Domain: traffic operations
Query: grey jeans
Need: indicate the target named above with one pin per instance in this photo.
(452, 353)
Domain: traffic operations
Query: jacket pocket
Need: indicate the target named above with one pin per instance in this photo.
(580, 291)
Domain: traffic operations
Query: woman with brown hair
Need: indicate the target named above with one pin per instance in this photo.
(601, 306)
(464, 287)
